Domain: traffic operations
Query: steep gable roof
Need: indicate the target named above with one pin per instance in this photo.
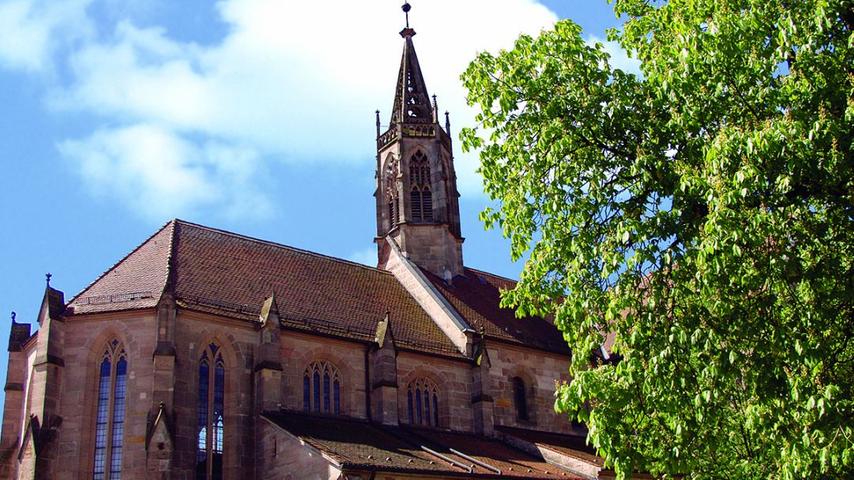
(476, 296)
(219, 272)
(136, 281)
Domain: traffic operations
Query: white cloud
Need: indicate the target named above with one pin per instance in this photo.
(30, 31)
(160, 174)
(292, 81)
(367, 257)
(619, 57)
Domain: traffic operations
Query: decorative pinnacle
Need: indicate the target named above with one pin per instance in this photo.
(47, 278)
(406, 8)
(13, 316)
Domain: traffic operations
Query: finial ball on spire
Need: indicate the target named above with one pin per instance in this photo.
(406, 7)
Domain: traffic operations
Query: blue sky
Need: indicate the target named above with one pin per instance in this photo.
(254, 116)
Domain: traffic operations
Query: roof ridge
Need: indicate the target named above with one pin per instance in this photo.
(477, 270)
(115, 265)
(280, 245)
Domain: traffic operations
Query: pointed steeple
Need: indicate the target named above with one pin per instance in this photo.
(416, 194)
(411, 100)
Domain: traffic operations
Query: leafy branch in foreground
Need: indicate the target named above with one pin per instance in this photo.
(703, 214)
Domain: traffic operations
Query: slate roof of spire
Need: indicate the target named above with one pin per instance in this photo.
(411, 100)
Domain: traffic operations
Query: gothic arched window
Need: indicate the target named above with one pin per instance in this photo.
(211, 426)
(110, 414)
(520, 399)
(422, 402)
(421, 197)
(391, 193)
(321, 388)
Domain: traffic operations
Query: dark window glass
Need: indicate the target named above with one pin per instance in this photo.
(418, 405)
(337, 392)
(102, 417)
(211, 415)
(326, 392)
(306, 393)
(409, 406)
(119, 394)
(519, 398)
(316, 391)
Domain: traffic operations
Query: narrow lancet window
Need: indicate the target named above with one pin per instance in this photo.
(520, 399)
(211, 414)
(110, 413)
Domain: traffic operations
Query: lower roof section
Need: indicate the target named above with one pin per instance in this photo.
(357, 445)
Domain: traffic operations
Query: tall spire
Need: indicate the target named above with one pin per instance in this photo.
(411, 100)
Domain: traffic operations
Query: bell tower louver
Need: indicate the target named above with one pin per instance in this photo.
(416, 196)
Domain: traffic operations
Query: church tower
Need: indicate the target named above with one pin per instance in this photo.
(417, 198)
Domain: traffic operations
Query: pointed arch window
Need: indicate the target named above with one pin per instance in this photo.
(520, 399)
(422, 402)
(321, 384)
(211, 423)
(391, 193)
(110, 412)
(421, 196)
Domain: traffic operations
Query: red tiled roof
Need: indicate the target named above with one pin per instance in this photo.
(136, 281)
(476, 295)
(228, 274)
(356, 444)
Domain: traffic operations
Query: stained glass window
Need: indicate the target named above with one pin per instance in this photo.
(211, 415)
(422, 402)
(110, 413)
(323, 393)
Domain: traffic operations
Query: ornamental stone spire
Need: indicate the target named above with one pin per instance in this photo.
(417, 198)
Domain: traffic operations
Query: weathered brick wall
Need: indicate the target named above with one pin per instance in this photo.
(237, 339)
(85, 341)
(539, 370)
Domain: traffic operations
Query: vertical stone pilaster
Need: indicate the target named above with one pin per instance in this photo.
(383, 375)
(482, 402)
(268, 367)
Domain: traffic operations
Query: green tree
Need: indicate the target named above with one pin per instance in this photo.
(702, 214)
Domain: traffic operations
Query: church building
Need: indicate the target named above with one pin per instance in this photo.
(206, 355)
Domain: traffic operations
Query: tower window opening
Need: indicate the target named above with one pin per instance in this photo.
(420, 194)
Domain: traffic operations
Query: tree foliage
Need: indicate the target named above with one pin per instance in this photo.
(702, 213)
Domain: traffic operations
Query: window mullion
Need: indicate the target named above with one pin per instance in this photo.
(209, 440)
(111, 400)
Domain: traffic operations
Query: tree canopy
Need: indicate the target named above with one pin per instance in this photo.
(702, 214)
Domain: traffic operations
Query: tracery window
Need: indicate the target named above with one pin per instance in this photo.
(422, 402)
(211, 425)
(321, 388)
(110, 414)
(421, 197)
(520, 399)
(391, 193)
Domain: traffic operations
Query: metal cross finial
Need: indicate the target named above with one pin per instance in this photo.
(47, 277)
(406, 8)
